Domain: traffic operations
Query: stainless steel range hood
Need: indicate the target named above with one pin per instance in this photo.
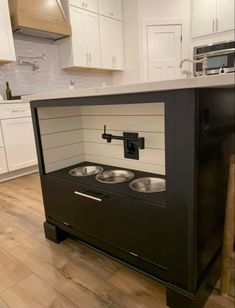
(39, 18)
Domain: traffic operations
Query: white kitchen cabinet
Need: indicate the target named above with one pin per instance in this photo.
(110, 8)
(90, 5)
(3, 161)
(19, 143)
(111, 41)
(7, 51)
(225, 15)
(83, 48)
(212, 16)
(93, 40)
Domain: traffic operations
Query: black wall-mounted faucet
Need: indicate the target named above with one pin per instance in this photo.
(138, 141)
(132, 143)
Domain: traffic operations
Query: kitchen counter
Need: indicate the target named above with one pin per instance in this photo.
(15, 101)
(220, 81)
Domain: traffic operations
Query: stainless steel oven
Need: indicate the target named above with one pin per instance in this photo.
(221, 58)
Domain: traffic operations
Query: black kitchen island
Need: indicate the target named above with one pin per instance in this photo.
(174, 236)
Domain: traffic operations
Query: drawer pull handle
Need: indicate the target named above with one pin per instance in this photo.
(88, 196)
(19, 110)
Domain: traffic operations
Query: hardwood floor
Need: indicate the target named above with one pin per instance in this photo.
(35, 272)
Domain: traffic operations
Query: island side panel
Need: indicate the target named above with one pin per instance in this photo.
(216, 138)
(181, 187)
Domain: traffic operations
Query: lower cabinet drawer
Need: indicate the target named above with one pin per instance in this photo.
(126, 223)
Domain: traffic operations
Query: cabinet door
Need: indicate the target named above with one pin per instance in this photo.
(93, 40)
(90, 5)
(77, 3)
(19, 143)
(204, 17)
(116, 9)
(78, 23)
(117, 44)
(111, 8)
(129, 224)
(225, 15)
(111, 41)
(7, 52)
(104, 7)
(3, 162)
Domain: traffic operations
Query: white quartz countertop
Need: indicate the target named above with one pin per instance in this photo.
(223, 80)
(15, 101)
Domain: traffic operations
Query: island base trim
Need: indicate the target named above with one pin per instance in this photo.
(178, 298)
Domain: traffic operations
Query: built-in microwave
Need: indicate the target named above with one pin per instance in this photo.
(221, 58)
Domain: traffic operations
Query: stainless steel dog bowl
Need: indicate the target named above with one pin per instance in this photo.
(86, 171)
(148, 185)
(114, 176)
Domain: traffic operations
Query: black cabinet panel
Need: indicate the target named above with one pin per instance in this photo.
(129, 224)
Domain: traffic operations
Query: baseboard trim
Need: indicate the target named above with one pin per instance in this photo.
(18, 173)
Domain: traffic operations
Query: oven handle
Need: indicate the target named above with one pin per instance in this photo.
(88, 196)
(215, 53)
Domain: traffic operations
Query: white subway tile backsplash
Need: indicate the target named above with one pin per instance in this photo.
(23, 80)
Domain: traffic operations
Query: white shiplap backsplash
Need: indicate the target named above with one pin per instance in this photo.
(73, 134)
(50, 77)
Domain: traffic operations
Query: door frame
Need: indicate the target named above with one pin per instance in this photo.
(185, 50)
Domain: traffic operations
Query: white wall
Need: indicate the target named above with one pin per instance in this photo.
(135, 12)
(50, 77)
(164, 9)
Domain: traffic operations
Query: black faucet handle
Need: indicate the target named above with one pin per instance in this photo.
(106, 136)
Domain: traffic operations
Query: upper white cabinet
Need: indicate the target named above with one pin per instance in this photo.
(96, 41)
(212, 16)
(111, 40)
(82, 49)
(89, 5)
(7, 51)
(225, 15)
(110, 8)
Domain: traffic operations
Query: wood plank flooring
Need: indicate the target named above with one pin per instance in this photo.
(35, 272)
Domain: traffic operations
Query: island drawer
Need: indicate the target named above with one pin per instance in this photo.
(129, 224)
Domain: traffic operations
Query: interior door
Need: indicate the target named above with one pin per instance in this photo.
(164, 52)
(93, 40)
(19, 143)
